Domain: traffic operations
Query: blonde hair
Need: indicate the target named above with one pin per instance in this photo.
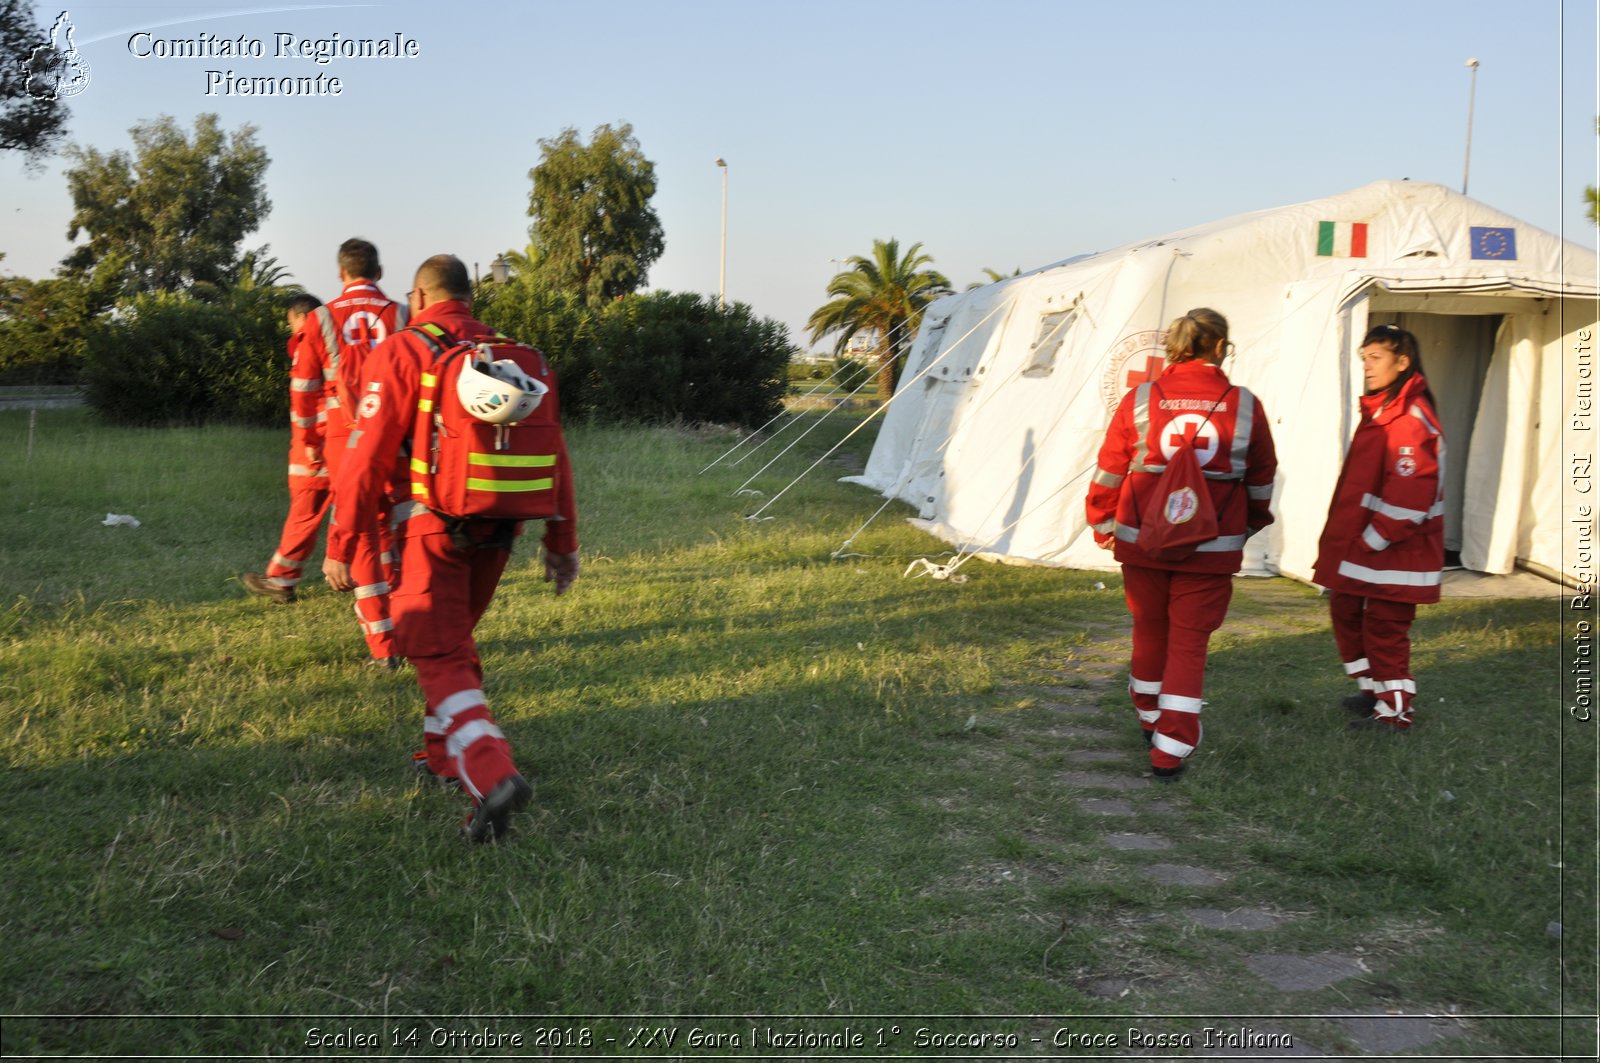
(1195, 335)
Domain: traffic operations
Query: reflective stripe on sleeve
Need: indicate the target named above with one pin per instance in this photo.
(303, 384)
(1243, 425)
(1378, 505)
(1107, 479)
(1261, 493)
(1374, 541)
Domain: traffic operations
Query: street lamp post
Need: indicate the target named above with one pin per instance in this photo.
(722, 269)
(1472, 96)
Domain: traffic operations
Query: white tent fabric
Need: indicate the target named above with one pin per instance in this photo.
(1008, 388)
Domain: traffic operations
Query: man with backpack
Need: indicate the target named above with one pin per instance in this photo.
(338, 337)
(463, 425)
(1183, 478)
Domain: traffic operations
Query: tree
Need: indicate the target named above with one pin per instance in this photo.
(886, 294)
(594, 230)
(995, 276)
(172, 215)
(32, 119)
(1592, 194)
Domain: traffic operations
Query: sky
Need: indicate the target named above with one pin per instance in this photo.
(1005, 135)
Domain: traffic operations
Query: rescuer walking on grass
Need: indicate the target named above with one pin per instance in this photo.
(1178, 594)
(308, 473)
(448, 450)
(339, 337)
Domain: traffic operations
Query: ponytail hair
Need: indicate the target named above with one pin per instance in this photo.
(1195, 335)
(1404, 343)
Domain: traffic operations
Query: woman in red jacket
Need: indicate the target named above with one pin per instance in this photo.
(1382, 550)
(1177, 602)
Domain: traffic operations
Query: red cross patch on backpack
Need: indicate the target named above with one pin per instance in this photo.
(487, 440)
(1177, 515)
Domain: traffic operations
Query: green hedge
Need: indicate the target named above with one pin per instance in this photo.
(665, 356)
(174, 359)
(42, 330)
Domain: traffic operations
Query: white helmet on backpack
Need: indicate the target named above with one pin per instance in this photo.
(498, 392)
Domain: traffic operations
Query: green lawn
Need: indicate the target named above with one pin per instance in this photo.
(769, 783)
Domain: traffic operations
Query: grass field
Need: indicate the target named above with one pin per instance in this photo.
(770, 784)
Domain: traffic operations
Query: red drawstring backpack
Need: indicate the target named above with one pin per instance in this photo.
(1178, 515)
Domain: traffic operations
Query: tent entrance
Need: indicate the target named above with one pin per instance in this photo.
(1463, 338)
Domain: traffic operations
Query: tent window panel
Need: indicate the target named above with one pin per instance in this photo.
(1053, 329)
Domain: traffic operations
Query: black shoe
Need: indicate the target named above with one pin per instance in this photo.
(1149, 738)
(491, 820)
(388, 664)
(256, 583)
(1360, 704)
(1167, 775)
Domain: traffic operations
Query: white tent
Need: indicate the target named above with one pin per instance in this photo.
(1008, 388)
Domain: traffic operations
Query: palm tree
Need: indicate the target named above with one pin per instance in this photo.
(884, 294)
(995, 276)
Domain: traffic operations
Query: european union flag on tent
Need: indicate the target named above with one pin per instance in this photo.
(1494, 241)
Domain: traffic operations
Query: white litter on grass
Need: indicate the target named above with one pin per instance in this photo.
(1099, 586)
(114, 519)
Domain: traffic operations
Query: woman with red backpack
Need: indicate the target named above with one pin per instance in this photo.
(1382, 549)
(1184, 477)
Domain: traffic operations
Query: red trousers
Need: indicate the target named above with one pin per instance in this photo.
(371, 566)
(1174, 614)
(1374, 640)
(308, 504)
(442, 592)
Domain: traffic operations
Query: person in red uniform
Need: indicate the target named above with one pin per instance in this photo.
(339, 336)
(308, 474)
(447, 576)
(1177, 604)
(1382, 549)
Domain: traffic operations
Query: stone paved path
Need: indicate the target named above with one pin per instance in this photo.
(1109, 779)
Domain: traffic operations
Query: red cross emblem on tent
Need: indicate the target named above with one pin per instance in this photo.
(1134, 359)
(1153, 364)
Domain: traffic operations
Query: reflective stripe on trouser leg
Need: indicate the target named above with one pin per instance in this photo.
(1347, 613)
(1394, 700)
(1144, 693)
(308, 504)
(1146, 593)
(1191, 606)
(372, 595)
(436, 603)
(1178, 730)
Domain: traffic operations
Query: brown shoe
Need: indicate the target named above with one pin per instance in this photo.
(256, 583)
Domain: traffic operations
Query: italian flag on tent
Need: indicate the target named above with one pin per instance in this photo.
(1342, 239)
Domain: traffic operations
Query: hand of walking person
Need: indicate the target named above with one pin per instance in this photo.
(562, 569)
(337, 574)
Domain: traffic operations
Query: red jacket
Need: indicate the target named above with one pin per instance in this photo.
(361, 314)
(1385, 532)
(307, 417)
(1234, 449)
(375, 466)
